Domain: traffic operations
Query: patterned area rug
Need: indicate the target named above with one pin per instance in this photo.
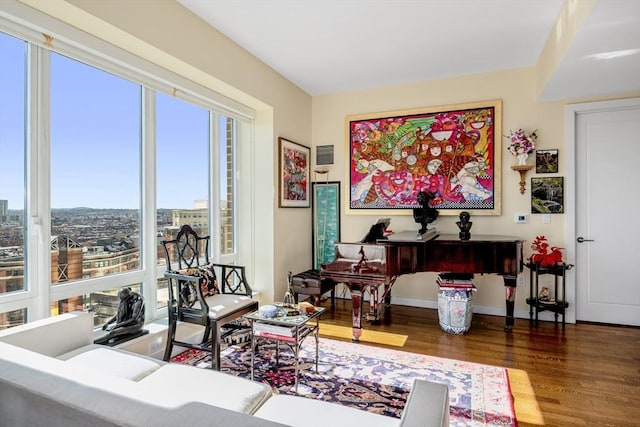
(373, 379)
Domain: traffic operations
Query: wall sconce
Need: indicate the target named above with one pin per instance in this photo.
(522, 169)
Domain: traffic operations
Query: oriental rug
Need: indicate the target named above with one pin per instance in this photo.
(373, 379)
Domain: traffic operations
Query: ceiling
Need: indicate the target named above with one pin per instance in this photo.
(333, 46)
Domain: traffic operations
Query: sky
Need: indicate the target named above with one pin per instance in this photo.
(95, 138)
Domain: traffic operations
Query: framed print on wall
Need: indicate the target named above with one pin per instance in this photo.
(546, 161)
(547, 195)
(326, 221)
(293, 179)
(450, 151)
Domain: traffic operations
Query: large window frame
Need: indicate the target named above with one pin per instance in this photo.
(80, 46)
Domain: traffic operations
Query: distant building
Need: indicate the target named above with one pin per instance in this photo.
(4, 210)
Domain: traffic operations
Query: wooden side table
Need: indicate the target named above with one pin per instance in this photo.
(559, 304)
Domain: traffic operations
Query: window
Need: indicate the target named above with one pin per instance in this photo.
(95, 173)
(182, 147)
(182, 153)
(13, 53)
(227, 185)
(98, 128)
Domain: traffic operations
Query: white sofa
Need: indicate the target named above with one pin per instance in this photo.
(52, 375)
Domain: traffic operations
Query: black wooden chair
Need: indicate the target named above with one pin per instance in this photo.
(205, 293)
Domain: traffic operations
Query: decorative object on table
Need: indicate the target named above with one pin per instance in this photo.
(543, 295)
(305, 307)
(127, 322)
(545, 255)
(268, 311)
(289, 300)
(293, 178)
(547, 195)
(425, 215)
(546, 161)
(326, 221)
(447, 150)
(464, 225)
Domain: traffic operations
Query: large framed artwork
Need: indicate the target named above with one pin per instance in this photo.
(326, 221)
(293, 180)
(449, 151)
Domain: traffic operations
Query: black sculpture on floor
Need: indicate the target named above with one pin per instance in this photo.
(424, 215)
(129, 319)
(464, 225)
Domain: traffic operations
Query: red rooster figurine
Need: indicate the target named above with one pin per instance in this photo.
(546, 256)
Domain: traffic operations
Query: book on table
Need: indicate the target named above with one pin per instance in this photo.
(276, 336)
(455, 280)
(267, 328)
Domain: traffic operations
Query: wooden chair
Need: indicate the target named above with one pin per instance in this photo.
(213, 295)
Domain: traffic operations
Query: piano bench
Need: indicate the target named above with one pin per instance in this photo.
(309, 283)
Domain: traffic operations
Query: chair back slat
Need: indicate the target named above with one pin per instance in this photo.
(187, 250)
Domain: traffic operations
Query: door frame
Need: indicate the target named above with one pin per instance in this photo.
(571, 114)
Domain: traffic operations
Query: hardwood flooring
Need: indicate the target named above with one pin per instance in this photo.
(586, 375)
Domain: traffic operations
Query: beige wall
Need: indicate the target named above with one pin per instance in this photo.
(516, 89)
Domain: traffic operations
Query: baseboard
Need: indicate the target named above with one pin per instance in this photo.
(479, 309)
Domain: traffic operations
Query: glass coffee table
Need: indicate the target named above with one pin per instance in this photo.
(286, 327)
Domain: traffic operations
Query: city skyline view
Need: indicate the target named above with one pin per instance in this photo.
(95, 136)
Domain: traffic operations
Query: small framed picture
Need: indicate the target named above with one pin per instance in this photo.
(547, 195)
(546, 161)
(293, 180)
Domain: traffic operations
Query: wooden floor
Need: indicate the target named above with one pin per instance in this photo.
(588, 375)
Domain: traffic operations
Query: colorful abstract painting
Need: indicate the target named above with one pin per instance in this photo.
(447, 151)
(294, 174)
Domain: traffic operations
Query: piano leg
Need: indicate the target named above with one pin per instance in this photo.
(510, 299)
(374, 307)
(356, 307)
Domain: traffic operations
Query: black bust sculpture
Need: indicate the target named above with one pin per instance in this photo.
(128, 320)
(464, 225)
(424, 215)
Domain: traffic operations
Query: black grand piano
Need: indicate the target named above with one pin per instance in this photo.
(376, 266)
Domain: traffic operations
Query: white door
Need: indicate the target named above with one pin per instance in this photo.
(607, 212)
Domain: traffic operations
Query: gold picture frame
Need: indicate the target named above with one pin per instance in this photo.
(451, 151)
